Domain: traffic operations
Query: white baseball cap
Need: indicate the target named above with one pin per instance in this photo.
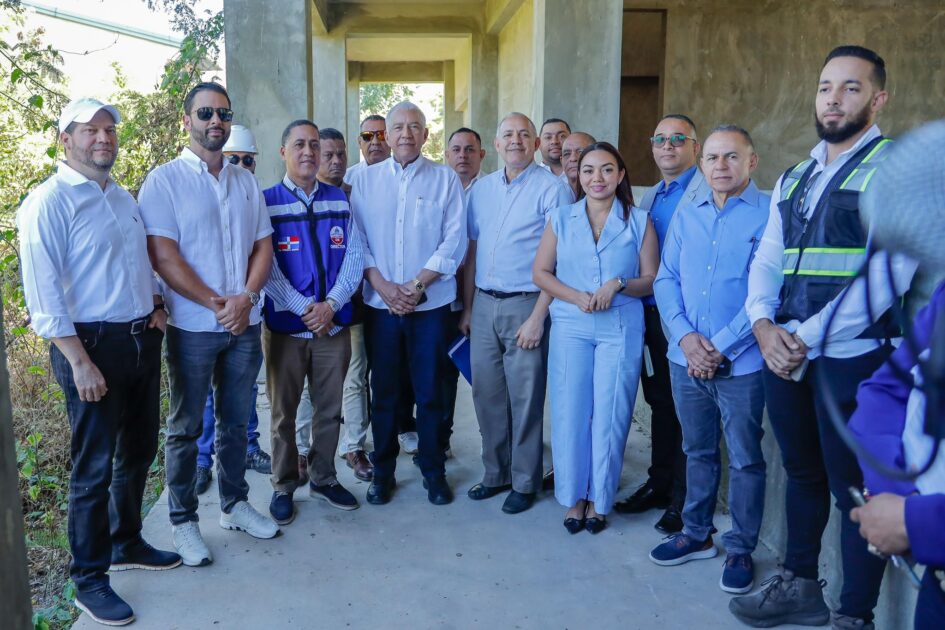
(241, 140)
(82, 110)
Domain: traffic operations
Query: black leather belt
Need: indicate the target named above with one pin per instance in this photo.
(502, 295)
(134, 327)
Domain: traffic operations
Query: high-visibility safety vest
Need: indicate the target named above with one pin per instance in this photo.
(824, 252)
(309, 249)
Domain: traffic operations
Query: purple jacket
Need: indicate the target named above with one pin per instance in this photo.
(879, 421)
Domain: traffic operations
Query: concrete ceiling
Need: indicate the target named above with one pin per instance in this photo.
(404, 47)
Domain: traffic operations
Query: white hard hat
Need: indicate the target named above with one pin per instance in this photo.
(241, 139)
(82, 110)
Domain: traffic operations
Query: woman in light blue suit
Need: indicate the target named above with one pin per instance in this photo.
(597, 258)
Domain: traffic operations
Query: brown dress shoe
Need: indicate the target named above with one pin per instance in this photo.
(358, 461)
(303, 470)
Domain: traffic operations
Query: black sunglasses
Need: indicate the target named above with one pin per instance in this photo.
(367, 136)
(206, 113)
(247, 160)
(675, 140)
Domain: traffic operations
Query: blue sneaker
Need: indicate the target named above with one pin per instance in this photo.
(680, 548)
(335, 494)
(103, 605)
(738, 574)
(282, 508)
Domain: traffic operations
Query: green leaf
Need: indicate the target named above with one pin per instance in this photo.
(19, 331)
(15, 75)
(36, 101)
(39, 371)
(51, 152)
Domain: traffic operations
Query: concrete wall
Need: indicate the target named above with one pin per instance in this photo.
(756, 63)
(516, 67)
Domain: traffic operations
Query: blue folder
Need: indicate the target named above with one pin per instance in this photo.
(459, 353)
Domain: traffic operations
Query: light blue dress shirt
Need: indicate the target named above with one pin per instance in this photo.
(506, 219)
(701, 287)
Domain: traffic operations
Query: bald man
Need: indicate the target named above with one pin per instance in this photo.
(571, 151)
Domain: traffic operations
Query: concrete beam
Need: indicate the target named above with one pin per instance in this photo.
(269, 78)
(321, 23)
(498, 14)
(400, 72)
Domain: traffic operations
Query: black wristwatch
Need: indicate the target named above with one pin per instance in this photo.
(159, 307)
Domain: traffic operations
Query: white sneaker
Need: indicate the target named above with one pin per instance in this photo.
(244, 518)
(409, 442)
(190, 546)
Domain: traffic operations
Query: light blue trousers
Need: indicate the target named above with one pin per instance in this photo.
(593, 375)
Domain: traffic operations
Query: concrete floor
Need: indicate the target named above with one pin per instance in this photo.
(410, 564)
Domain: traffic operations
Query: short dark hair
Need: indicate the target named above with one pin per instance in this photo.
(301, 122)
(879, 65)
(464, 130)
(373, 117)
(555, 120)
(684, 118)
(729, 128)
(330, 133)
(205, 86)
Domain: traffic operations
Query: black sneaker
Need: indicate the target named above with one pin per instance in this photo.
(335, 494)
(103, 605)
(784, 599)
(260, 461)
(204, 475)
(141, 555)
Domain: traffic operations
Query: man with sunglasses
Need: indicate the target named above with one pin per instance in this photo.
(675, 150)
(240, 149)
(209, 240)
(812, 249)
(372, 140)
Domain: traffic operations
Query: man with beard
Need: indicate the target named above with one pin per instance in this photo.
(90, 290)
(810, 252)
(208, 237)
(553, 133)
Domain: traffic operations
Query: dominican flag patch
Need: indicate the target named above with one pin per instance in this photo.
(289, 244)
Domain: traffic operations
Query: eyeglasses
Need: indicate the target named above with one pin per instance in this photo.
(247, 160)
(206, 113)
(367, 136)
(675, 140)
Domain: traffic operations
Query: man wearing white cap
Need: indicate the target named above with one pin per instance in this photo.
(240, 149)
(90, 290)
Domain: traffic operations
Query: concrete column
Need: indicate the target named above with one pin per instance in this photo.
(353, 124)
(452, 119)
(577, 64)
(482, 111)
(268, 77)
(330, 81)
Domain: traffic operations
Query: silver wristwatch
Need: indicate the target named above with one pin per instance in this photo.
(335, 307)
(622, 282)
(253, 296)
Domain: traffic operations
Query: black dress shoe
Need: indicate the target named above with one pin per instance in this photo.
(481, 491)
(645, 498)
(596, 524)
(438, 491)
(574, 525)
(671, 521)
(518, 502)
(378, 493)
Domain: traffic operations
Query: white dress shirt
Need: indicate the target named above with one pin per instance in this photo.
(352, 171)
(284, 296)
(766, 276)
(411, 219)
(506, 219)
(83, 255)
(215, 222)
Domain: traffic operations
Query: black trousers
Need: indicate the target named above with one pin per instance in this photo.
(114, 442)
(819, 464)
(667, 472)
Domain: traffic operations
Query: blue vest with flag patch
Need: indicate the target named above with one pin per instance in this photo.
(309, 249)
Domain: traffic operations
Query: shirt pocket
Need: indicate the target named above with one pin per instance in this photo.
(428, 216)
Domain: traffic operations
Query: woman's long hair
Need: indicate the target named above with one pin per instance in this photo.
(624, 192)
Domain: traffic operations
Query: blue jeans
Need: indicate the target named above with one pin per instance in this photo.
(205, 450)
(114, 442)
(194, 361)
(930, 608)
(738, 404)
(417, 343)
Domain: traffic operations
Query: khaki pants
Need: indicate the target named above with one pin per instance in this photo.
(289, 361)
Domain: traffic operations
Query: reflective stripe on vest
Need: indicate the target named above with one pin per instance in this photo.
(792, 179)
(836, 262)
(860, 178)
